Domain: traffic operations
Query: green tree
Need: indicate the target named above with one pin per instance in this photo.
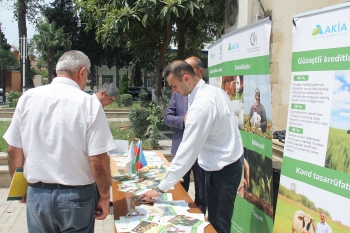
(145, 26)
(6, 59)
(48, 40)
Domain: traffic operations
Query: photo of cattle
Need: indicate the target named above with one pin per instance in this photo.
(338, 146)
(257, 105)
(258, 188)
(302, 207)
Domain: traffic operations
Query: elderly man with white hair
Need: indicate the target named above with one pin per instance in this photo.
(60, 136)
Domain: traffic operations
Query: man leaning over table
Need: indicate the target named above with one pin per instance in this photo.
(175, 116)
(60, 136)
(107, 93)
(212, 133)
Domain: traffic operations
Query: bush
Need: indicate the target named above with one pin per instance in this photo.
(145, 103)
(138, 118)
(125, 99)
(12, 98)
(123, 84)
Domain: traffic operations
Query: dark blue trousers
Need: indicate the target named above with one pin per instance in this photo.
(222, 188)
(199, 186)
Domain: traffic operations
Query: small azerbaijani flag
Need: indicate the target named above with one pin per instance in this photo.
(139, 159)
(130, 158)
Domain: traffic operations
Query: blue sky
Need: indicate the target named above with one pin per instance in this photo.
(340, 117)
(10, 26)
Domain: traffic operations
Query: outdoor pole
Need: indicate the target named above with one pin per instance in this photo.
(24, 56)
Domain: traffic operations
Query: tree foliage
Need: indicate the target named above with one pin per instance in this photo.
(145, 27)
(63, 13)
(48, 40)
(6, 60)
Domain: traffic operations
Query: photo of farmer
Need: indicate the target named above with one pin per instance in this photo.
(257, 105)
(302, 206)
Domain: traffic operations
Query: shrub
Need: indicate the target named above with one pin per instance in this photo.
(152, 130)
(145, 103)
(12, 98)
(123, 85)
(138, 118)
(125, 99)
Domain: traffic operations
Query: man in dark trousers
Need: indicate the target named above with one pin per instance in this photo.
(175, 116)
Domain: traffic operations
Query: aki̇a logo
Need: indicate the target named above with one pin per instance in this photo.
(253, 39)
(338, 29)
(212, 55)
(232, 47)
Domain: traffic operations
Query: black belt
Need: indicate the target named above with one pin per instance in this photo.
(55, 186)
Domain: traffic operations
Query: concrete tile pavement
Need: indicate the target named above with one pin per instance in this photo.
(13, 215)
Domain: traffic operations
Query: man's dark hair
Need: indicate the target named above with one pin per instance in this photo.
(179, 68)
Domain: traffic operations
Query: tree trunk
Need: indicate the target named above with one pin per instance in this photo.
(180, 25)
(117, 77)
(161, 63)
(49, 65)
(22, 28)
(92, 76)
(3, 71)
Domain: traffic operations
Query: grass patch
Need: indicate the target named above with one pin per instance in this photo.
(114, 105)
(3, 127)
(121, 130)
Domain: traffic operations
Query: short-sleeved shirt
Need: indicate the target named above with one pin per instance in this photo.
(323, 228)
(58, 126)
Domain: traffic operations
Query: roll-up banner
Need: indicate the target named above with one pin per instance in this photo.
(239, 64)
(314, 191)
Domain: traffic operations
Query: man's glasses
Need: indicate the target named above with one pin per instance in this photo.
(88, 81)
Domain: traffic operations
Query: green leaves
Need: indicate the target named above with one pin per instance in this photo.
(315, 31)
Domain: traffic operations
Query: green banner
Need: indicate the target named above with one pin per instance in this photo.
(321, 59)
(215, 71)
(250, 219)
(326, 179)
(256, 143)
(248, 66)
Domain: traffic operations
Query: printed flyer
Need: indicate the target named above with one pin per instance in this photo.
(239, 64)
(314, 192)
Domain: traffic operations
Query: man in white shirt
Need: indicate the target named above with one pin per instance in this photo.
(212, 133)
(107, 93)
(322, 227)
(60, 136)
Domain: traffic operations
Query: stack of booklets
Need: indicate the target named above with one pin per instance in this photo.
(163, 216)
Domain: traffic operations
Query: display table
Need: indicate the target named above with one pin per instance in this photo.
(123, 202)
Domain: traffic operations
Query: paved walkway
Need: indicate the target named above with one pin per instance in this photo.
(13, 216)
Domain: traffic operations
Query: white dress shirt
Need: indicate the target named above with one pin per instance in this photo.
(323, 228)
(211, 133)
(58, 126)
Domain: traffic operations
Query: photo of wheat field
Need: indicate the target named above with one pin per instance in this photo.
(338, 150)
(338, 146)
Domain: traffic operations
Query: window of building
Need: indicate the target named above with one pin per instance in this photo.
(107, 79)
(149, 82)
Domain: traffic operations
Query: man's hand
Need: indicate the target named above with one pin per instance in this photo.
(149, 196)
(185, 118)
(101, 209)
(24, 199)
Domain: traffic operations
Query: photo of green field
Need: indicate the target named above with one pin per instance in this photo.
(338, 150)
(294, 195)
